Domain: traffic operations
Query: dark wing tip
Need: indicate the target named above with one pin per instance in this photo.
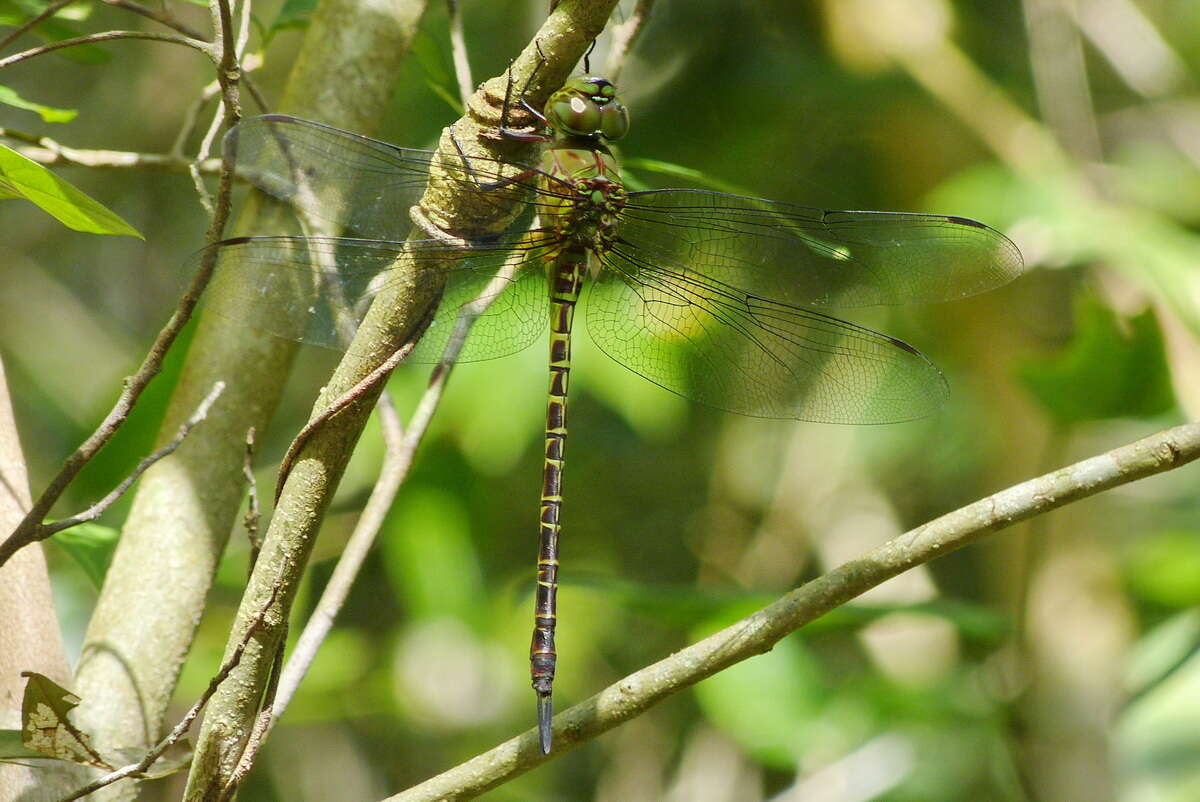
(904, 346)
(966, 221)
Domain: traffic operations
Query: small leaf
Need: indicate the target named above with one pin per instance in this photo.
(90, 545)
(685, 173)
(53, 29)
(11, 747)
(24, 178)
(293, 14)
(1164, 567)
(1107, 371)
(776, 727)
(46, 726)
(47, 113)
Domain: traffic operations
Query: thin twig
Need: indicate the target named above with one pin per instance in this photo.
(623, 37)
(228, 111)
(458, 52)
(105, 36)
(354, 554)
(759, 632)
(253, 516)
(251, 87)
(262, 725)
(206, 142)
(347, 398)
(180, 729)
(252, 62)
(96, 510)
(49, 152)
(19, 31)
(160, 17)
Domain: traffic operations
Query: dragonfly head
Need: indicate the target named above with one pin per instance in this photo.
(588, 106)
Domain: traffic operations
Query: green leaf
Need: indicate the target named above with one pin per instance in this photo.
(11, 747)
(53, 29)
(1110, 369)
(1164, 568)
(685, 173)
(90, 545)
(47, 113)
(46, 726)
(293, 14)
(777, 726)
(23, 178)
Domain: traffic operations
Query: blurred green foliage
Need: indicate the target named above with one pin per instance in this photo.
(1001, 672)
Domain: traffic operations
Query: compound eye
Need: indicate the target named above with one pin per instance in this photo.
(576, 115)
(614, 120)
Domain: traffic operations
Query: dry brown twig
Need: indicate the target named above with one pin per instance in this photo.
(96, 510)
(253, 515)
(158, 15)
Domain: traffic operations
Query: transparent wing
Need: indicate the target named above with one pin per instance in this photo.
(316, 290)
(812, 257)
(738, 351)
(361, 184)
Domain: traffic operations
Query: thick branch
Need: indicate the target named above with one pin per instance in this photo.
(758, 633)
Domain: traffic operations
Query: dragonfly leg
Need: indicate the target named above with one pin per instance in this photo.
(489, 186)
(523, 136)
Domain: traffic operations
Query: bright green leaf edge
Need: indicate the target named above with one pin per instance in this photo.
(49, 114)
(24, 178)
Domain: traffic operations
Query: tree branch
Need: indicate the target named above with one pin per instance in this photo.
(758, 633)
(402, 446)
(458, 52)
(96, 510)
(44, 150)
(46, 13)
(161, 17)
(179, 730)
(105, 36)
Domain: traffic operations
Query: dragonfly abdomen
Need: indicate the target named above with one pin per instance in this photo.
(566, 277)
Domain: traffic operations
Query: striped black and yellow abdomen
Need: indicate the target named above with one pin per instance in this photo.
(565, 277)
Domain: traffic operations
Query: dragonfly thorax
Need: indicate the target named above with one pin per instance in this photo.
(584, 196)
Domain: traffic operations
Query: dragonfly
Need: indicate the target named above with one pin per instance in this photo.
(717, 297)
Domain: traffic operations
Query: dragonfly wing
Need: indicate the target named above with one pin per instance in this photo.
(741, 352)
(813, 257)
(365, 185)
(504, 302)
(316, 290)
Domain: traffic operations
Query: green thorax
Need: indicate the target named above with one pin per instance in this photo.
(583, 194)
(581, 183)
